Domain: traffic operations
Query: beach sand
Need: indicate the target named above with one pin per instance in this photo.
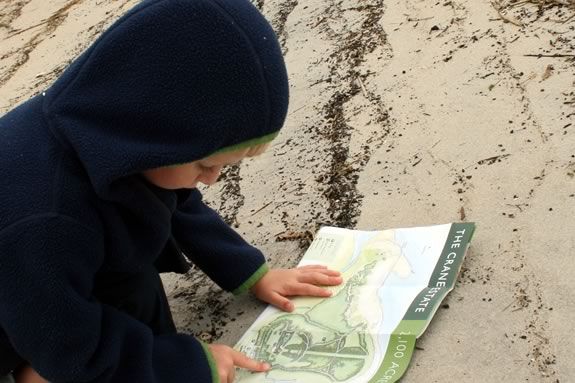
(403, 113)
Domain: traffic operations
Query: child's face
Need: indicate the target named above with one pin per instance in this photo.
(187, 176)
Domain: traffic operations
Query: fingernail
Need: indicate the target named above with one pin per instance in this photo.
(266, 366)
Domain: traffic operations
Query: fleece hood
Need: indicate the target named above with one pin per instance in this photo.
(170, 82)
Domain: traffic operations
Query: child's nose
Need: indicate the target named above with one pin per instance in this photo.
(210, 176)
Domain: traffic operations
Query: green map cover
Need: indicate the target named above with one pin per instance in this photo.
(394, 281)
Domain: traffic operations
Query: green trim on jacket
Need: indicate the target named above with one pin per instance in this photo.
(248, 284)
(249, 143)
(211, 363)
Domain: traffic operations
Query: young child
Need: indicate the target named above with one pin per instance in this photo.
(99, 196)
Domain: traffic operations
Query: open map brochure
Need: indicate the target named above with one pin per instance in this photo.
(394, 281)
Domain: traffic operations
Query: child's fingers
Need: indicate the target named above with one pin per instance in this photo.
(320, 279)
(310, 290)
(313, 267)
(329, 272)
(280, 301)
(243, 361)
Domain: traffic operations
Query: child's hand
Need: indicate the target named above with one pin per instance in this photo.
(278, 284)
(227, 359)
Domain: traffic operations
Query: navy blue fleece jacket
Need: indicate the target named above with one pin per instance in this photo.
(171, 82)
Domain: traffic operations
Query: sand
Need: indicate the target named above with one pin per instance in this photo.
(403, 113)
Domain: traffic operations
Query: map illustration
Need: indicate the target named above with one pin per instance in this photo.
(366, 331)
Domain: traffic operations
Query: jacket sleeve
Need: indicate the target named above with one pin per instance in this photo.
(47, 268)
(215, 247)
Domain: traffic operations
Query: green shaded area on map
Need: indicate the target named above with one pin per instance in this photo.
(318, 341)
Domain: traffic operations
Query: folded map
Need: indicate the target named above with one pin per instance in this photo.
(394, 282)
